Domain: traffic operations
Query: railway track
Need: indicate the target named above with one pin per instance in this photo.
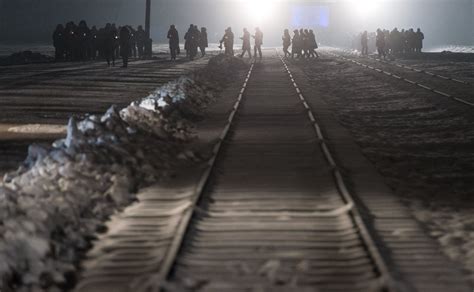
(270, 212)
(275, 211)
(460, 91)
(421, 71)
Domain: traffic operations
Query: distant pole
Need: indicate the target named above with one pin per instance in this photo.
(148, 46)
(147, 18)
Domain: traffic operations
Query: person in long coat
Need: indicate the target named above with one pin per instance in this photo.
(203, 43)
(228, 41)
(286, 38)
(296, 44)
(246, 43)
(173, 37)
(125, 38)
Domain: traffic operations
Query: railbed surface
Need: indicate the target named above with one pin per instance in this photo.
(38, 99)
(271, 216)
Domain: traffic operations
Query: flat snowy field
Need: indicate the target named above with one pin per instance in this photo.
(48, 49)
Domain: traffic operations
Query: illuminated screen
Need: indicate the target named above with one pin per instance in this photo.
(303, 16)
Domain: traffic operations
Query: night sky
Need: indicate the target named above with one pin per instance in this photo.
(443, 21)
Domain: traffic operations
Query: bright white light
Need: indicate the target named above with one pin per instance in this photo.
(365, 8)
(259, 11)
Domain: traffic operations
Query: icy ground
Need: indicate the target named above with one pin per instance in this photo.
(451, 48)
(48, 49)
(53, 205)
(422, 143)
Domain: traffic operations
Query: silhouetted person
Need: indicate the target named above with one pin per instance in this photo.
(191, 41)
(116, 43)
(70, 41)
(396, 41)
(302, 42)
(388, 42)
(364, 41)
(419, 41)
(380, 43)
(93, 44)
(140, 37)
(173, 38)
(125, 40)
(228, 41)
(313, 44)
(203, 43)
(411, 39)
(83, 38)
(296, 44)
(258, 42)
(59, 42)
(286, 38)
(246, 43)
(404, 36)
(110, 37)
(197, 39)
(133, 41)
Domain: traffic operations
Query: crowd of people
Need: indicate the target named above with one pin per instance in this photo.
(393, 42)
(228, 42)
(80, 43)
(246, 46)
(194, 39)
(303, 44)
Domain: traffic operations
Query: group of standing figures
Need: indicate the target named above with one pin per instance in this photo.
(247, 48)
(193, 39)
(228, 42)
(80, 43)
(303, 44)
(394, 42)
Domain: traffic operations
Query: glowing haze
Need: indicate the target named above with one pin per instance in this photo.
(443, 21)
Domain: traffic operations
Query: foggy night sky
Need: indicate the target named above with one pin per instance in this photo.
(443, 21)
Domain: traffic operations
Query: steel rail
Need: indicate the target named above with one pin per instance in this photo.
(454, 98)
(387, 282)
(421, 71)
(183, 225)
(393, 63)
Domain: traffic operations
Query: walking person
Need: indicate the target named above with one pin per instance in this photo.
(110, 35)
(228, 41)
(286, 38)
(303, 42)
(59, 42)
(173, 38)
(140, 36)
(313, 44)
(419, 41)
(380, 43)
(258, 42)
(364, 41)
(296, 44)
(203, 43)
(246, 43)
(125, 40)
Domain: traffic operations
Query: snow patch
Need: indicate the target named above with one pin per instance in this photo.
(53, 205)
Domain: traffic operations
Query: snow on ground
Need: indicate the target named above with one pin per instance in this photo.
(451, 48)
(38, 128)
(422, 144)
(48, 49)
(53, 205)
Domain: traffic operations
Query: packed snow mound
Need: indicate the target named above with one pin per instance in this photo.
(225, 63)
(53, 205)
